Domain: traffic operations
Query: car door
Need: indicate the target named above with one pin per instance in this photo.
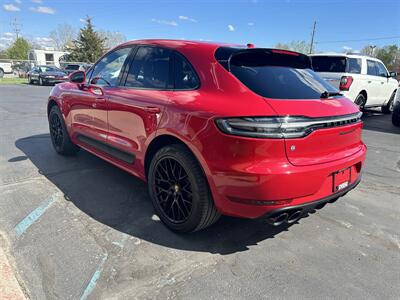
(88, 103)
(134, 109)
(373, 84)
(386, 89)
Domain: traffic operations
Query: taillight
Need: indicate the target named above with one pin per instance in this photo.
(282, 127)
(345, 83)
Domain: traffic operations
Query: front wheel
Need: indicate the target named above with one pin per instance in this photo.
(41, 82)
(59, 134)
(388, 108)
(179, 190)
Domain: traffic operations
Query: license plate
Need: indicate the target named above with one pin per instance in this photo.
(341, 179)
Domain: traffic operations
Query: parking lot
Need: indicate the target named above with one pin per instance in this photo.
(80, 228)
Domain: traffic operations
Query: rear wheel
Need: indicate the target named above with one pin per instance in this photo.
(179, 190)
(30, 81)
(59, 134)
(360, 101)
(1, 73)
(388, 108)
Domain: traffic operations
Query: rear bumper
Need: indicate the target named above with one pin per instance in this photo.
(305, 208)
(265, 188)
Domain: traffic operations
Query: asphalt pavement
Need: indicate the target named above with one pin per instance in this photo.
(80, 228)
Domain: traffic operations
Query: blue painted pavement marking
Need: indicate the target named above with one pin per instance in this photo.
(35, 215)
(93, 281)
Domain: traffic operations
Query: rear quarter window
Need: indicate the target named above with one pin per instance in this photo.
(354, 65)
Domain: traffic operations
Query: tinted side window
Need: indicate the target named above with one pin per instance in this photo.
(381, 69)
(185, 76)
(107, 70)
(354, 65)
(150, 68)
(371, 68)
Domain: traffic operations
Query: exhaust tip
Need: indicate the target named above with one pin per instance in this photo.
(278, 220)
(294, 217)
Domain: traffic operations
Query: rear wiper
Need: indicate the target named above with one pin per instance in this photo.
(327, 94)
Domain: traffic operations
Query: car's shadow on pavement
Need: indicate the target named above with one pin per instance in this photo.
(376, 121)
(120, 200)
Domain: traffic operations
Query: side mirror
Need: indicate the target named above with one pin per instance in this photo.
(393, 74)
(77, 77)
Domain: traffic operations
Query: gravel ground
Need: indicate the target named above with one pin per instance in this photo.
(79, 228)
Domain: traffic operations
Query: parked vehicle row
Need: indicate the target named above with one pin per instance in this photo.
(214, 129)
(362, 79)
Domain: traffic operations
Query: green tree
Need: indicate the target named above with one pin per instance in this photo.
(390, 55)
(19, 49)
(89, 45)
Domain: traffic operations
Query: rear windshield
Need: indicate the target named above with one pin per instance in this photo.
(336, 64)
(277, 75)
(72, 67)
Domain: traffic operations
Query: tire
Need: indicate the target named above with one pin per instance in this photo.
(59, 134)
(30, 81)
(360, 101)
(1, 73)
(388, 108)
(396, 119)
(179, 190)
(41, 82)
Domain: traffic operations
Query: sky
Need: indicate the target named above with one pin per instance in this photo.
(341, 25)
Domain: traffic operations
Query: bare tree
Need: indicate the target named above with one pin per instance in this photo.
(298, 46)
(112, 38)
(63, 36)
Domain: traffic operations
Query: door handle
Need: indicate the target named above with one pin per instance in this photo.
(152, 109)
(382, 82)
(369, 81)
(100, 99)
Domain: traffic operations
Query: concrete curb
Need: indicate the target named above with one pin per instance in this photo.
(9, 286)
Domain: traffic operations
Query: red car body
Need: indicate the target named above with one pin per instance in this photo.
(248, 177)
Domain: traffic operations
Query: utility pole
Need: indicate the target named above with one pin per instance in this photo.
(312, 37)
(16, 27)
(372, 47)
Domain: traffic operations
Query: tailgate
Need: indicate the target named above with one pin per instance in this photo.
(332, 78)
(335, 130)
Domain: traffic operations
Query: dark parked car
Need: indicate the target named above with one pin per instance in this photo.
(43, 75)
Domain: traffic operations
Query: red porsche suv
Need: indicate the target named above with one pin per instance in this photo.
(214, 129)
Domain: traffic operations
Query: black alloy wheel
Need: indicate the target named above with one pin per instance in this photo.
(59, 134)
(179, 190)
(173, 190)
(56, 130)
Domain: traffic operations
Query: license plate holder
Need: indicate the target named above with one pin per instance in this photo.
(341, 179)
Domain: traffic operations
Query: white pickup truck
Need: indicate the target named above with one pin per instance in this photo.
(5, 68)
